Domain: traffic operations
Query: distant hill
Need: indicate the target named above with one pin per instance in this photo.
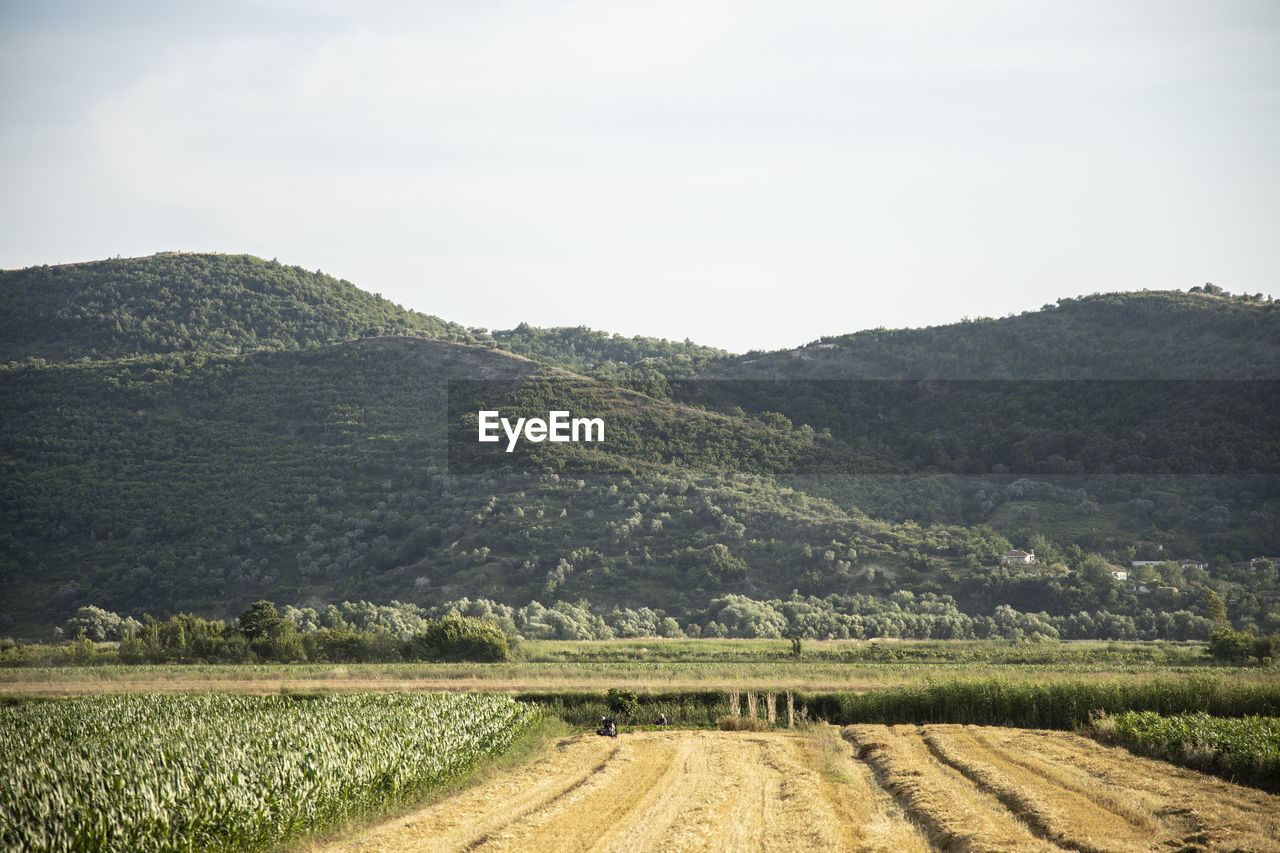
(195, 432)
(1144, 335)
(610, 357)
(188, 303)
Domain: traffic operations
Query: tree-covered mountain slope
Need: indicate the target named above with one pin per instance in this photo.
(204, 482)
(195, 432)
(188, 303)
(609, 357)
(1146, 335)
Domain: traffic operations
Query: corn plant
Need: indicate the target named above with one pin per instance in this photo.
(1246, 749)
(222, 772)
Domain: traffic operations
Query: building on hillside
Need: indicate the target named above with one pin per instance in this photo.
(1120, 574)
(1018, 557)
(1192, 564)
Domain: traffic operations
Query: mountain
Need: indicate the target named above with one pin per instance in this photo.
(195, 432)
(609, 357)
(206, 482)
(1143, 335)
(186, 303)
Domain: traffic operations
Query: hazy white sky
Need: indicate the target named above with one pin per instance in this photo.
(745, 174)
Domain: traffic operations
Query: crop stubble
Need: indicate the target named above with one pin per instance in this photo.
(664, 790)
(915, 788)
(985, 788)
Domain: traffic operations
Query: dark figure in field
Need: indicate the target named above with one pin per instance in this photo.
(662, 719)
(608, 728)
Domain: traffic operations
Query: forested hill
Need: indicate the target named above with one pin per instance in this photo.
(228, 304)
(609, 357)
(1145, 335)
(195, 432)
(188, 303)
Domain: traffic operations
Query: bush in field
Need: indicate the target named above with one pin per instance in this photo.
(229, 773)
(458, 638)
(1231, 646)
(622, 703)
(1238, 647)
(734, 723)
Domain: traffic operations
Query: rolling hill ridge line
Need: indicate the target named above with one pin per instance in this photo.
(190, 432)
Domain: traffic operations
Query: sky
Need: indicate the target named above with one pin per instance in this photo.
(748, 175)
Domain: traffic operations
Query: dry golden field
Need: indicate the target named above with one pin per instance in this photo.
(900, 789)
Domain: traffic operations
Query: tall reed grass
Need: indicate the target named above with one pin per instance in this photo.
(1064, 704)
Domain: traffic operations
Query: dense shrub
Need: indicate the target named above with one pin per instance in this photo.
(735, 723)
(458, 638)
(622, 703)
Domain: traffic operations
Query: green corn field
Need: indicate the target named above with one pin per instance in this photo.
(222, 772)
(1245, 749)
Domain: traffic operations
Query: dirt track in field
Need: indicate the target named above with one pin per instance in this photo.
(899, 789)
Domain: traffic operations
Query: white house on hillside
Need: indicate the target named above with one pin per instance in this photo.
(1016, 556)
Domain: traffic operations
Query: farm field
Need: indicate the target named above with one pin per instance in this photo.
(518, 678)
(665, 790)
(160, 773)
(661, 665)
(987, 788)
(914, 788)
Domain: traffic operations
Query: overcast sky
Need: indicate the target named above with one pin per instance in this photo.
(748, 175)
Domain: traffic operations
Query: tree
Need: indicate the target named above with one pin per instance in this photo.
(1145, 574)
(1096, 571)
(99, 625)
(1231, 646)
(1214, 610)
(260, 620)
(458, 638)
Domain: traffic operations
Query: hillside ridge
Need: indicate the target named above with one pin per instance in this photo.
(194, 432)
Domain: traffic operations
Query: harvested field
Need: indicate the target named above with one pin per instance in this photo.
(662, 791)
(915, 788)
(986, 788)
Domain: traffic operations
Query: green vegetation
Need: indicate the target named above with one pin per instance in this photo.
(482, 630)
(623, 704)
(1128, 336)
(229, 772)
(648, 666)
(191, 304)
(1239, 646)
(647, 361)
(1063, 704)
(192, 433)
(262, 635)
(1244, 749)
(458, 638)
